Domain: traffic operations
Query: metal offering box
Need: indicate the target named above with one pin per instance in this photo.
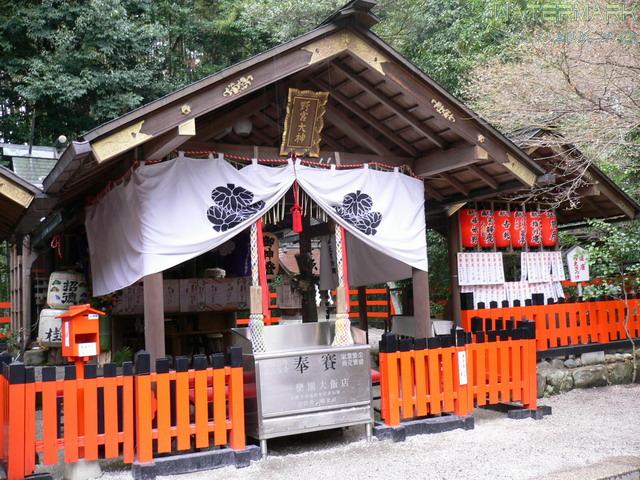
(302, 383)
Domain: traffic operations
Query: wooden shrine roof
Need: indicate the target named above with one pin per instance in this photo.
(381, 109)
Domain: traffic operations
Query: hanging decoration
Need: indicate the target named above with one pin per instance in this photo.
(296, 210)
(549, 229)
(518, 229)
(487, 229)
(502, 220)
(469, 227)
(534, 229)
(304, 122)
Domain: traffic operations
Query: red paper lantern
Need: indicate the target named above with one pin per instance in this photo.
(534, 229)
(549, 229)
(487, 229)
(502, 220)
(518, 229)
(469, 227)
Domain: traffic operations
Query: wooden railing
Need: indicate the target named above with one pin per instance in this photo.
(455, 374)
(563, 324)
(133, 415)
(376, 307)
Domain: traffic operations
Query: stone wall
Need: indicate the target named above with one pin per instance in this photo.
(593, 369)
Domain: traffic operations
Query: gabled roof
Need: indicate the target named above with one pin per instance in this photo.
(600, 197)
(16, 195)
(381, 108)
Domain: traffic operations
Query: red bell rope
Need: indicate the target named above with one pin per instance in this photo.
(262, 272)
(345, 266)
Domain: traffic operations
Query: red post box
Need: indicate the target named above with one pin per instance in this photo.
(80, 332)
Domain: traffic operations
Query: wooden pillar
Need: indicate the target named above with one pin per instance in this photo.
(453, 238)
(362, 310)
(154, 316)
(421, 307)
(309, 308)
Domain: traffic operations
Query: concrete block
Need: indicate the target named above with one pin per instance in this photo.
(195, 462)
(592, 358)
(384, 432)
(422, 426)
(82, 470)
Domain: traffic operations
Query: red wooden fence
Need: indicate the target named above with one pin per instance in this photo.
(430, 377)
(564, 324)
(132, 415)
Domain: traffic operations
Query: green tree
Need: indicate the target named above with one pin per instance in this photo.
(74, 64)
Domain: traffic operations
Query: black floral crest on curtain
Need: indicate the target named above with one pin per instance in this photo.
(232, 206)
(356, 209)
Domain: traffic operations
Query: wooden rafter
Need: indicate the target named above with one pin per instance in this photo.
(439, 161)
(391, 105)
(455, 183)
(433, 192)
(482, 175)
(350, 104)
(348, 126)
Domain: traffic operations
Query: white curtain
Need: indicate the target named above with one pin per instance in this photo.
(173, 211)
(384, 210)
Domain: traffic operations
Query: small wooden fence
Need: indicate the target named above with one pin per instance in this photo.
(455, 374)
(563, 324)
(129, 415)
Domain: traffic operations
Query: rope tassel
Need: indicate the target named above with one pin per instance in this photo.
(296, 211)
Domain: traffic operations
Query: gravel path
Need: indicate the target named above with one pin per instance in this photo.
(587, 426)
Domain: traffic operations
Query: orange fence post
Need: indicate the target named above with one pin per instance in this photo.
(406, 377)
(5, 360)
(128, 408)
(30, 422)
(389, 386)
(461, 381)
(434, 374)
(90, 414)
(220, 400)
(110, 412)
(143, 402)
(237, 439)
(183, 426)
(201, 401)
(15, 440)
(163, 400)
(419, 358)
(70, 402)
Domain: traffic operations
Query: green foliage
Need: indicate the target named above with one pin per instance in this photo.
(614, 256)
(447, 38)
(74, 65)
(437, 253)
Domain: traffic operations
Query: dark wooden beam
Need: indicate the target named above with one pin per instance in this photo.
(351, 128)
(346, 158)
(482, 175)
(432, 192)
(391, 105)
(163, 145)
(207, 128)
(350, 104)
(455, 183)
(440, 161)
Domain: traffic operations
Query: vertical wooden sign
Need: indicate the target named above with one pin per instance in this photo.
(304, 122)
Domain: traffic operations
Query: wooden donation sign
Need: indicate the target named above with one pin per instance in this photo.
(304, 122)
